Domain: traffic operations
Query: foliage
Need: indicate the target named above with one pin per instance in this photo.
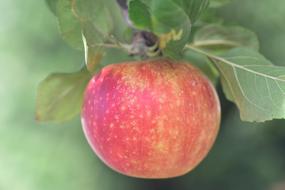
(248, 79)
(60, 96)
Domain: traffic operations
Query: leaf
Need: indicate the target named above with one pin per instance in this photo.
(98, 20)
(218, 3)
(119, 24)
(219, 38)
(203, 63)
(116, 56)
(253, 83)
(60, 95)
(193, 8)
(94, 16)
(52, 5)
(98, 25)
(140, 15)
(93, 55)
(70, 27)
(169, 19)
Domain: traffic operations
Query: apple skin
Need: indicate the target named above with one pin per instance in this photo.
(151, 119)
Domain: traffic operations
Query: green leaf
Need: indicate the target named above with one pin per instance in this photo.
(93, 55)
(52, 5)
(60, 95)
(98, 20)
(169, 19)
(218, 3)
(70, 27)
(219, 38)
(139, 14)
(94, 16)
(203, 63)
(116, 56)
(119, 24)
(172, 25)
(98, 26)
(193, 8)
(253, 83)
(165, 18)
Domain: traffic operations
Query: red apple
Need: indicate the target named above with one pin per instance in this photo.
(151, 119)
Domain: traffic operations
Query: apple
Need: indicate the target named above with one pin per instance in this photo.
(151, 119)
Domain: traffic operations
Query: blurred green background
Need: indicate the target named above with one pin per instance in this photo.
(34, 156)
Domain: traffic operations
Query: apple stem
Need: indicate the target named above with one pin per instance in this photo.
(144, 43)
